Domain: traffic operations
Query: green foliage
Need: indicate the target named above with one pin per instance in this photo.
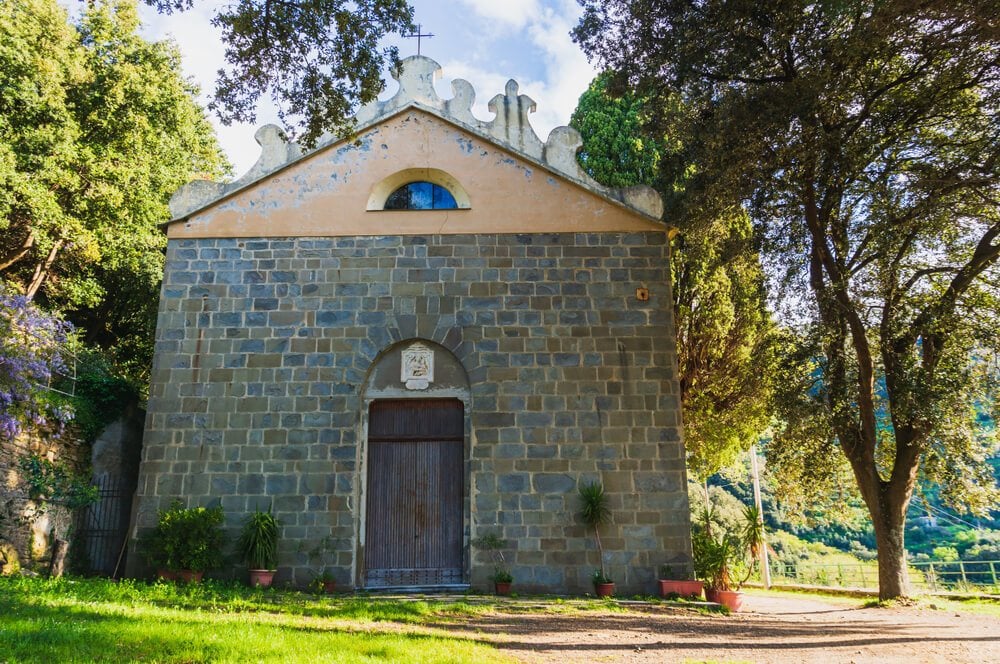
(725, 338)
(102, 392)
(599, 577)
(594, 505)
(595, 511)
(99, 128)
(945, 553)
(259, 540)
(726, 343)
(495, 545)
(723, 558)
(317, 59)
(186, 538)
(615, 152)
(54, 483)
(863, 136)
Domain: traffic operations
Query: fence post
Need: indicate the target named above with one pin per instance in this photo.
(932, 577)
(993, 572)
(961, 568)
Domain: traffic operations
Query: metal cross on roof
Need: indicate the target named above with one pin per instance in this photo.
(418, 36)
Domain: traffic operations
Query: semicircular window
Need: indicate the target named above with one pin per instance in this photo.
(421, 196)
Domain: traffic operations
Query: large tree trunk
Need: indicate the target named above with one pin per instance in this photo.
(887, 503)
(893, 581)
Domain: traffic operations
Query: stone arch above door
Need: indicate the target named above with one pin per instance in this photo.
(395, 373)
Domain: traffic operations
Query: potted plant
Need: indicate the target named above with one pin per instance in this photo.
(185, 542)
(502, 581)
(671, 585)
(603, 586)
(259, 546)
(325, 582)
(595, 512)
(502, 578)
(725, 560)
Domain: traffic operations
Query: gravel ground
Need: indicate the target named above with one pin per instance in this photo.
(768, 629)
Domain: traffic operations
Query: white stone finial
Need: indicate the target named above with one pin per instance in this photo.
(416, 76)
(645, 199)
(275, 151)
(560, 152)
(511, 123)
(194, 195)
(460, 106)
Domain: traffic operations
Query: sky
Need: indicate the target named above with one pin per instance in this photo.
(485, 42)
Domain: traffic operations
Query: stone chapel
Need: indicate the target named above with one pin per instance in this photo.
(401, 341)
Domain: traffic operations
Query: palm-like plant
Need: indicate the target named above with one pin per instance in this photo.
(259, 540)
(595, 512)
(725, 561)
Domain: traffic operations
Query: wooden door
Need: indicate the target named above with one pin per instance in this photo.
(413, 527)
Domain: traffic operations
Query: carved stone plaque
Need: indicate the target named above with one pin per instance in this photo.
(417, 367)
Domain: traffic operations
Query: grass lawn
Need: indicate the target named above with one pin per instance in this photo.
(71, 620)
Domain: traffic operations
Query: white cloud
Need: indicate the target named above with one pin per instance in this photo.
(567, 73)
(512, 13)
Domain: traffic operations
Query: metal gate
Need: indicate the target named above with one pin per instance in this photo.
(413, 527)
(102, 526)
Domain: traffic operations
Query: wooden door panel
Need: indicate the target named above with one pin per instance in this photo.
(415, 491)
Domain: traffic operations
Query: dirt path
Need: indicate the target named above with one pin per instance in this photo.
(769, 629)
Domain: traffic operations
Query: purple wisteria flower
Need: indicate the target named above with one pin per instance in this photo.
(31, 352)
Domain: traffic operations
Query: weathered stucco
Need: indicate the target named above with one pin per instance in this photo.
(510, 130)
(327, 194)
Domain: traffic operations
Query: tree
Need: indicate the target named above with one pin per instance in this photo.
(864, 137)
(98, 128)
(615, 150)
(725, 337)
(318, 58)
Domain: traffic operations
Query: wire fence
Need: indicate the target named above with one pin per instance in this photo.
(980, 576)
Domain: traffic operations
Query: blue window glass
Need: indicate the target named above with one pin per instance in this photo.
(421, 196)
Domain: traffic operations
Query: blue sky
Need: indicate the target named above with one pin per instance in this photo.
(483, 41)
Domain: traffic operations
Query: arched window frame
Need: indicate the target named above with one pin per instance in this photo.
(384, 188)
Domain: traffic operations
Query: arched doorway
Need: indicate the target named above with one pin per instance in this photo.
(415, 471)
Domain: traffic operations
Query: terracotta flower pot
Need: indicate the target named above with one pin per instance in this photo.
(684, 588)
(502, 588)
(731, 599)
(189, 576)
(604, 589)
(329, 587)
(166, 575)
(262, 578)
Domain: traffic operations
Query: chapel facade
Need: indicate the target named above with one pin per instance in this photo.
(432, 331)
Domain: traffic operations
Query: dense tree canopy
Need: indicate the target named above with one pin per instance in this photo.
(97, 129)
(725, 339)
(865, 138)
(318, 59)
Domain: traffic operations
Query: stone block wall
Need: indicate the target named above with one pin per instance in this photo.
(30, 526)
(264, 345)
